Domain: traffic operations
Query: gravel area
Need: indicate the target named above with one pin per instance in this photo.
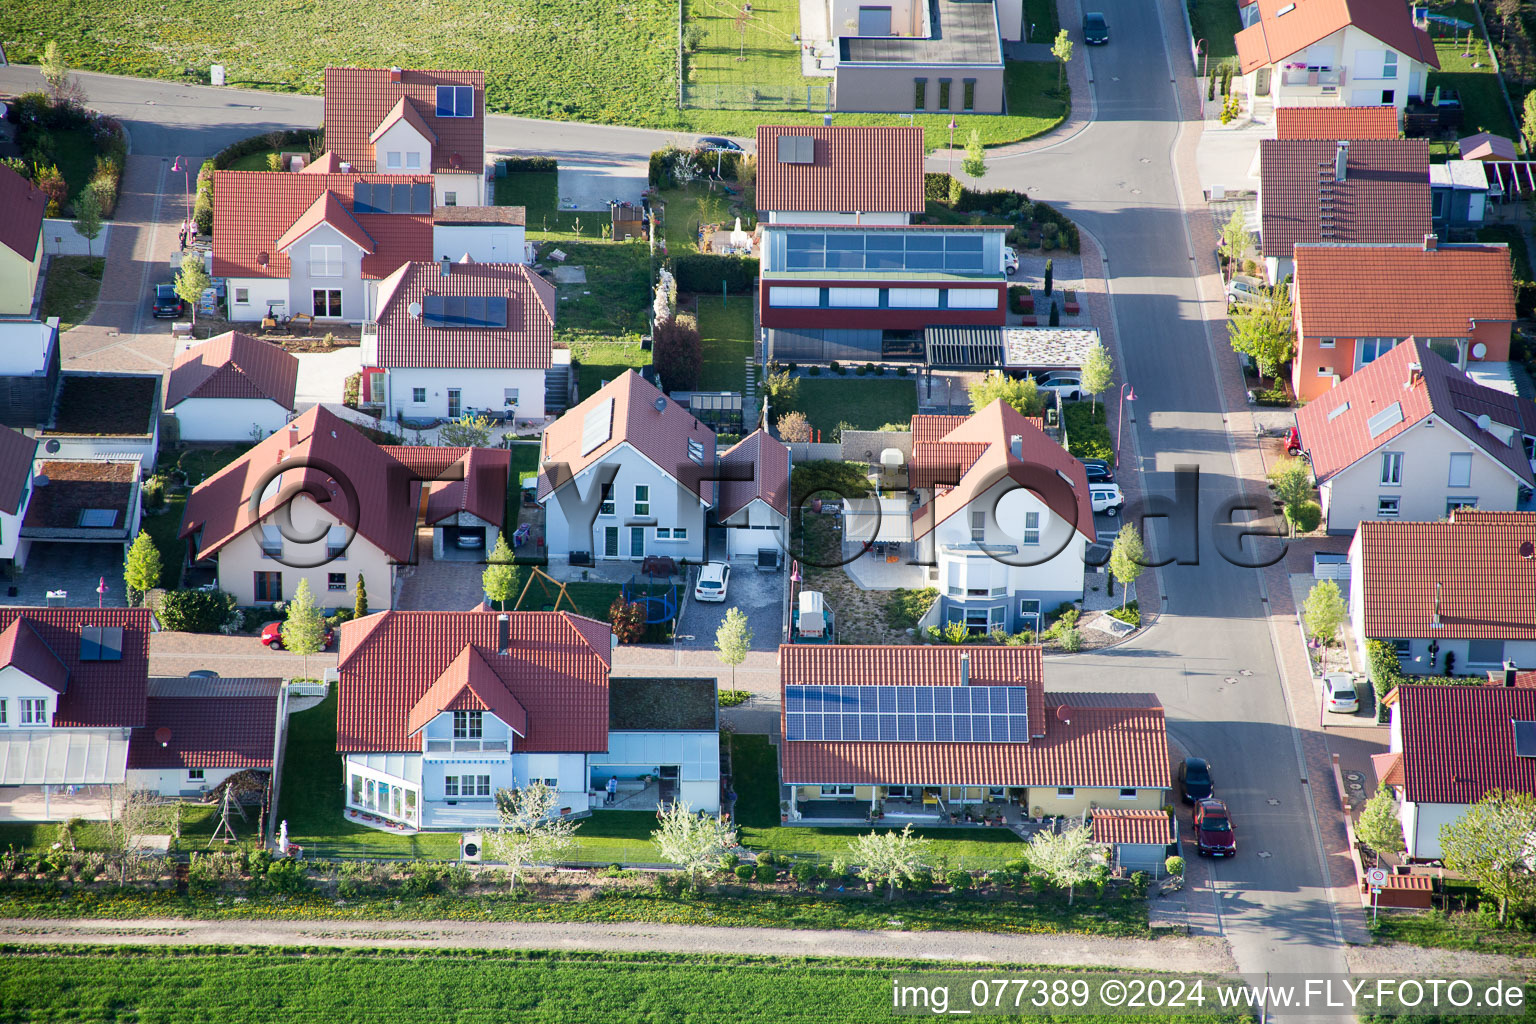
(1416, 961)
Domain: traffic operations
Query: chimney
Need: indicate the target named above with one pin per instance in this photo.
(447, 265)
(293, 435)
(395, 75)
(1415, 371)
(1341, 160)
(1016, 446)
(1431, 242)
(965, 668)
(1434, 620)
(346, 168)
(1509, 673)
(503, 633)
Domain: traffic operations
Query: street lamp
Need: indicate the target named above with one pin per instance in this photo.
(951, 146)
(184, 165)
(1120, 433)
(101, 592)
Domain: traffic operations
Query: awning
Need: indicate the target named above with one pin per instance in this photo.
(880, 520)
(64, 757)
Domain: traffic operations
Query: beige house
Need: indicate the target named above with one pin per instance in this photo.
(21, 242)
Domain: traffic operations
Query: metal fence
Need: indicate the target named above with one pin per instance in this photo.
(748, 96)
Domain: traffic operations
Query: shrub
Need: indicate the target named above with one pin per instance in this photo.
(733, 698)
(936, 187)
(920, 881)
(700, 272)
(746, 872)
(530, 164)
(901, 371)
(195, 611)
(804, 873)
(1174, 866)
(766, 873)
(766, 857)
(861, 371)
(1017, 294)
(1130, 613)
(628, 620)
(1307, 517)
(814, 371)
(678, 352)
(959, 880)
(1039, 884)
(307, 139)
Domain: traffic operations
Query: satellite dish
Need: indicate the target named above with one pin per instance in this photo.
(1479, 350)
(1484, 422)
(415, 310)
(163, 736)
(40, 481)
(262, 259)
(1527, 549)
(661, 404)
(51, 446)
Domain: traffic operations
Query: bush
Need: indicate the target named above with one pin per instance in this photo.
(814, 371)
(530, 164)
(195, 611)
(1017, 294)
(1174, 866)
(732, 698)
(937, 187)
(746, 872)
(1130, 613)
(1307, 517)
(766, 857)
(861, 371)
(804, 873)
(677, 352)
(700, 272)
(766, 873)
(959, 880)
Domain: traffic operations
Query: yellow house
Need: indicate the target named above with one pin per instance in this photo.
(21, 242)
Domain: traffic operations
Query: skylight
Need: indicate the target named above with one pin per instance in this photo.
(696, 450)
(1385, 420)
(597, 426)
(455, 101)
(1338, 410)
(1525, 738)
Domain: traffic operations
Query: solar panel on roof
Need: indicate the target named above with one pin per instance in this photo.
(421, 198)
(1525, 738)
(897, 714)
(362, 198)
(797, 149)
(1385, 420)
(597, 426)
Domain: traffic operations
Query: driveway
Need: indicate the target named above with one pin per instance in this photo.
(759, 594)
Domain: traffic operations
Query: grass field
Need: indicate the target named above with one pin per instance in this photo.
(865, 403)
(1482, 101)
(1042, 15)
(1215, 21)
(1462, 931)
(243, 986)
(726, 329)
(70, 292)
(601, 320)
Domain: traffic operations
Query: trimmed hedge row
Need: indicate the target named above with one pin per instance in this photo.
(942, 188)
(530, 164)
(700, 272)
(307, 138)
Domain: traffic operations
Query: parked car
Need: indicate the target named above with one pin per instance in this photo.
(1339, 693)
(711, 143)
(1246, 291)
(1068, 385)
(714, 578)
(1106, 498)
(1099, 471)
(470, 539)
(272, 636)
(1010, 260)
(1095, 29)
(1195, 779)
(1214, 835)
(166, 303)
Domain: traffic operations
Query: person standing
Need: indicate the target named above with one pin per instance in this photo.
(613, 789)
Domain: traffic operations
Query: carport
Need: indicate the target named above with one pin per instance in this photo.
(1138, 839)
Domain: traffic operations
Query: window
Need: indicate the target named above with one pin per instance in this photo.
(837, 791)
(450, 199)
(336, 581)
(1452, 504)
(357, 790)
(325, 261)
(242, 296)
(482, 785)
(1064, 792)
(450, 785)
(912, 298)
(677, 533)
(1392, 469)
(1031, 527)
(271, 542)
(853, 298)
(959, 251)
(34, 711)
(3, 719)
(1386, 508)
(978, 527)
(413, 160)
(418, 395)
(1029, 608)
(972, 298)
(1368, 350)
(944, 93)
(1389, 65)
(968, 94)
(794, 296)
(455, 101)
(194, 775)
(467, 725)
(268, 586)
(1326, 371)
(1127, 794)
(509, 397)
(327, 301)
(392, 159)
(642, 500)
(1326, 342)
(97, 518)
(1388, 97)
(1485, 652)
(1461, 470)
(919, 94)
(336, 545)
(607, 508)
(1403, 648)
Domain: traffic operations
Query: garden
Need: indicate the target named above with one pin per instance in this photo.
(68, 152)
(71, 288)
(1470, 71)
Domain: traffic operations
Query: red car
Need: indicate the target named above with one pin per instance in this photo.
(272, 635)
(1214, 835)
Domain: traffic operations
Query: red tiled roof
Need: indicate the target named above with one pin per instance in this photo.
(1384, 196)
(24, 205)
(99, 693)
(1388, 768)
(768, 461)
(17, 451)
(1334, 123)
(476, 484)
(325, 163)
(1334, 444)
(22, 647)
(234, 365)
(206, 732)
(1285, 28)
(359, 100)
(404, 111)
(556, 668)
(408, 341)
(468, 684)
(1486, 589)
(661, 437)
(1393, 291)
(363, 487)
(326, 209)
(1129, 825)
(1458, 742)
(254, 210)
(867, 170)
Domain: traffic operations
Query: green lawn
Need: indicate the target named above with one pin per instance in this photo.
(1088, 434)
(197, 824)
(539, 193)
(726, 329)
(703, 203)
(1482, 101)
(252, 161)
(71, 289)
(525, 463)
(745, 61)
(1215, 21)
(195, 465)
(1042, 15)
(865, 403)
(601, 320)
(1461, 931)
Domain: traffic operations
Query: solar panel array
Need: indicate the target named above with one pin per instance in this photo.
(377, 197)
(1525, 738)
(101, 643)
(597, 425)
(464, 310)
(903, 714)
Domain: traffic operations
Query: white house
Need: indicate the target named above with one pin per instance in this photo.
(754, 495)
(231, 387)
(1006, 516)
(16, 454)
(625, 474)
(460, 338)
(198, 732)
(1411, 437)
(1449, 745)
(1359, 53)
(663, 744)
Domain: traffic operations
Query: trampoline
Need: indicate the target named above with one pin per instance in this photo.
(658, 595)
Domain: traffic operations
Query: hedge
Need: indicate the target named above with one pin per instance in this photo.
(194, 611)
(530, 164)
(699, 272)
(295, 137)
(1385, 670)
(942, 188)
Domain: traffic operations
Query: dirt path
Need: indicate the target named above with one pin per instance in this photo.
(1191, 954)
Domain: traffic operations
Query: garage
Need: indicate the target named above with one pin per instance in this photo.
(1138, 839)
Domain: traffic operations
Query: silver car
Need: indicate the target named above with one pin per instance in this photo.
(1339, 693)
(1247, 291)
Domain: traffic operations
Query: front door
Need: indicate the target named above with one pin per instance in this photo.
(327, 302)
(610, 542)
(455, 403)
(637, 542)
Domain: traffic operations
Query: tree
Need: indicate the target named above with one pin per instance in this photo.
(628, 620)
(733, 640)
(133, 817)
(1098, 373)
(778, 386)
(500, 576)
(694, 842)
(975, 162)
(677, 352)
(1324, 613)
(531, 829)
(793, 426)
(889, 858)
(360, 601)
(1061, 49)
(1067, 858)
(1379, 827)
(1236, 242)
(88, 218)
(1023, 395)
(1127, 558)
(1508, 11)
(1263, 332)
(141, 569)
(55, 71)
(465, 432)
(304, 628)
(192, 281)
(665, 301)
(1491, 846)
(1293, 488)
(1528, 120)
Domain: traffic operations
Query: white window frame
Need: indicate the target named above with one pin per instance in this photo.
(509, 397)
(1389, 507)
(1127, 793)
(674, 534)
(1326, 342)
(1457, 501)
(271, 541)
(413, 160)
(4, 721)
(470, 723)
(1032, 528)
(971, 298)
(1391, 469)
(853, 298)
(1463, 459)
(978, 526)
(418, 396)
(837, 790)
(392, 160)
(450, 199)
(325, 261)
(1065, 792)
(450, 785)
(1389, 57)
(196, 775)
(242, 296)
(608, 507)
(336, 586)
(912, 298)
(642, 499)
(34, 711)
(786, 297)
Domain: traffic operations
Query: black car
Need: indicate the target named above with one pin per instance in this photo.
(1099, 471)
(714, 142)
(1095, 29)
(1195, 779)
(167, 303)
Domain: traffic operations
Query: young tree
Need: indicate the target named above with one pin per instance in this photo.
(677, 352)
(133, 815)
(1379, 827)
(793, 426)
(889, 858)
(192, 281)
(694, 842)
(1324, 613)
(1236, 242)
(88, 218)
(50, 181)
(531, 829)
(733, 640)
(360, 601)
(141, 569)
(1126, 558)
(1293, 488)
(304, 628)
(465, 432)
(1098, 373)
(778, 385)
(975, 162)
(1491, 846)
(1061, 49)
(1066, 858)
(55, 71)
(627, 619)
(500, 576)
(1023, 395)
(1263, 332)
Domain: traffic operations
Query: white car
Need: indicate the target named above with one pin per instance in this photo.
(1247, 291)
(714, 578)
(1106, 498)
(1068, 385)
(1010, 260)
(1339, 693)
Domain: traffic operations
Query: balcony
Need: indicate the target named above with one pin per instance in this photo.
(482, 746)
(1313, 77)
